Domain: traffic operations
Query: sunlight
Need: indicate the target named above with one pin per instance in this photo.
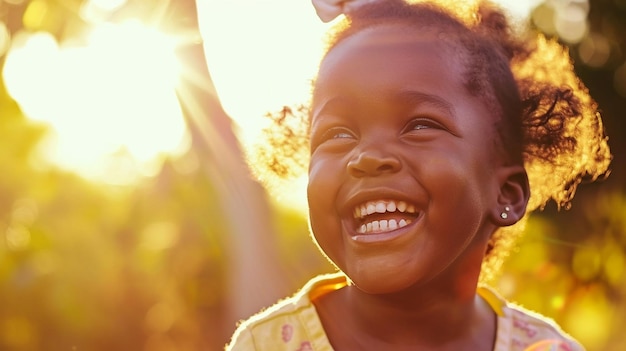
(105, 5)
(260, 60)
(111, 102)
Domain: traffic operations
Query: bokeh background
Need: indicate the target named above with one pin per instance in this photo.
(129, 219)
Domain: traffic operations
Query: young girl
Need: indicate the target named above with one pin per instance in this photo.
(428, 127)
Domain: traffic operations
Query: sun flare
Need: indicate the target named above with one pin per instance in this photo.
(107, 99)
(109, 95)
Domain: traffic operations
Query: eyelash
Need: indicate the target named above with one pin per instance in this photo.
(422, 123)
(334, 132)
(331, 134)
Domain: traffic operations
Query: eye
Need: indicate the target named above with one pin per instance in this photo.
(337, 133)
(421, 124)
(418, 126)
(333, 136)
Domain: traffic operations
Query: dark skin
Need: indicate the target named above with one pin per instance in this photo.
(404, 329)
(393, 123)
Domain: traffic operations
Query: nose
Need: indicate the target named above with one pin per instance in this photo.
(373, 161)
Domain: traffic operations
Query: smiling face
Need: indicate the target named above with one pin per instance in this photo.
(401, 177)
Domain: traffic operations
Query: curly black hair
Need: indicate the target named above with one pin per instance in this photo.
(548, 121)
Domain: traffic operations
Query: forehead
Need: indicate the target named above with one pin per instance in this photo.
(395, 70)
(391, 57)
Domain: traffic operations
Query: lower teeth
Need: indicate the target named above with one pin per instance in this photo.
(383, 226)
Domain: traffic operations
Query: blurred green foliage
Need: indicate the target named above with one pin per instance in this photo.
(86, 266)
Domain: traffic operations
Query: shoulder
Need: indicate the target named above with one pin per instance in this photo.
(531, 328)
(290, 324)
(521, 329)
(281, 326)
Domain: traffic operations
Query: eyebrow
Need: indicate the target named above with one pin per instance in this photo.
(335, 102)
(416, 98)
(409, 97)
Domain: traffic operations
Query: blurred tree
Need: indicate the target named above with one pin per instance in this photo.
(255, 277)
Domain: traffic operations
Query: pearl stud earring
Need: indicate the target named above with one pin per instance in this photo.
(505, 214)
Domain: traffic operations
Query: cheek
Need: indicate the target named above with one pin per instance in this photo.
(322, 187)
(457, 191)
(325, 176)
(322, 190)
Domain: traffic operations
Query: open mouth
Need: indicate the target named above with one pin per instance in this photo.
(382, 216)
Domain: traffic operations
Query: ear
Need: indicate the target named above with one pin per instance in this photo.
(513, 195)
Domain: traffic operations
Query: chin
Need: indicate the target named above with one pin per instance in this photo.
(380, 282)
(381, 288)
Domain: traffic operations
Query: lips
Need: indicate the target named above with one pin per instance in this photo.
(382, 216)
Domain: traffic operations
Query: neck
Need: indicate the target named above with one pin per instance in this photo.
(437, 315)
(420, 314)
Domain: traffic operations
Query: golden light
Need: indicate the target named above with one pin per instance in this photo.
(260, 58)
(586, 262)
(594, 50)
(614, 264)
(590, 317)
(109, 95)
(5, 38)
(571, 20)
(94, 11)
(519, 9)
(35, 14)
(109, 98)
(566, 18)
(104, 5)
(262, 55)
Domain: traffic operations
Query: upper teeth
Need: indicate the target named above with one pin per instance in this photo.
(382, 206)
(382, 226)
